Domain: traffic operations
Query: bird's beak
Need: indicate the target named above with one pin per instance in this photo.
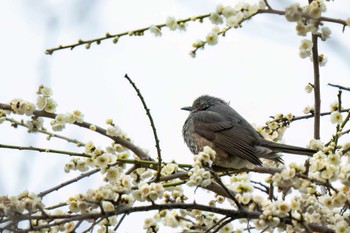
(187, 108)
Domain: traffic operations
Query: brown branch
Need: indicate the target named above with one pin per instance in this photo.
(233, 214)
(148, 113)
(340, 87)
(57, 187)
(138, 151)
(312, 115)
(316, 85)
(228, 192)
(272, 171)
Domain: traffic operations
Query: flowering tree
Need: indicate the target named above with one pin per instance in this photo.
(307, 197)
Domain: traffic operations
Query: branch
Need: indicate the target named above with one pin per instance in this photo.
(272, 171)
(55, 188)
(139, 32)
(317, 89)
(32, 148)
(138, 151)
(116, 37)
(312, 115)
(233, 214)
(152, 124)
(340, 87)
(44, 131)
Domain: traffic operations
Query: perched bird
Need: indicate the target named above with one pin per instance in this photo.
(212, 122)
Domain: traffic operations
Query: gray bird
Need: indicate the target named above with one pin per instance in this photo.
(212, 122)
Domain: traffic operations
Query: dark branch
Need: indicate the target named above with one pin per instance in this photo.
(152, 124)
(340, 87)
(138, 151)
(316, 84)
(55, 188)
(233, 214)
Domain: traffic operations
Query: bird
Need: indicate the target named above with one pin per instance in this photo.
(213, 122)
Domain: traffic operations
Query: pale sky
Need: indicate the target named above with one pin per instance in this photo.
(256, 68)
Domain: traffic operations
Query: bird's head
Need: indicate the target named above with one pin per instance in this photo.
(203, 102)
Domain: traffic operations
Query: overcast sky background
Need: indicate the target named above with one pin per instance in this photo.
(256, 68)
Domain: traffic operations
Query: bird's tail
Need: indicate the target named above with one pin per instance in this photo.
(278, 147)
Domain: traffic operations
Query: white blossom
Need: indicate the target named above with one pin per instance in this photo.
(113, 131)
(336, 117)
(171, 23)
(215, 18)
(155, 30)
(308, 88)
(212, 38)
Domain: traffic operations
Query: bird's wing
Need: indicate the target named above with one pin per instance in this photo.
(232, 136)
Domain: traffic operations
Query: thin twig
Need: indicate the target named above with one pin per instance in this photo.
(57, 187)
(44, 131)
(267, 4)
(119, 222)
(198, 18)
(219, 181)
(340, 87)
(216, 224)
(117, 36)
(222, 224)
(312, 115)
(45, 150)
(152, 124)
(56, 206)
(338, 127)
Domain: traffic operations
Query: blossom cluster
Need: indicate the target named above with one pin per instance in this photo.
(151, 225)
(148, 192)
(306, 18)
(287, 179)
(104, 198)
(44, 101)
(325, 166)
(310, 204)
(274, 129)
(303, 209)
(272, 213)
(231, 16)
(94, 198)
(62, 119)
(188, 220)
(98, 158)
(199, 176)
(240, 183)
(24, 203)
(169, 218)
(204, 158)
(22, 107)
(174, 194)
(313, 10)
(305, 50)
(169, 168)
